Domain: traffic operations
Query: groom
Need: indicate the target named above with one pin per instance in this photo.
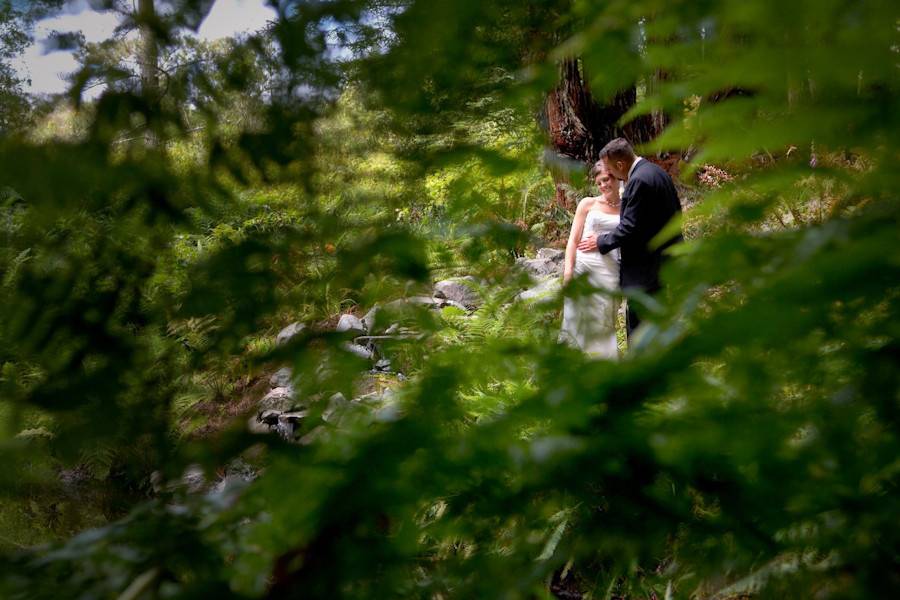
(649, 202)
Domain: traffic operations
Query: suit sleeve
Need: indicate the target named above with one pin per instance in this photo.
(635, 222)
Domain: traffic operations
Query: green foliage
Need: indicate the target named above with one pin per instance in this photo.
(747, 442)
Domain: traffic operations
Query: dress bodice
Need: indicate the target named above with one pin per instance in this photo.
(598, 222)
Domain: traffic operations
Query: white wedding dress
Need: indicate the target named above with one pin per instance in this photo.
(589, 322)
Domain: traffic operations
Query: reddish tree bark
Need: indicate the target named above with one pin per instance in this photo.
(579, 126)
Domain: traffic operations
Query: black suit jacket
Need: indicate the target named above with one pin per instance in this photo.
(649, 202)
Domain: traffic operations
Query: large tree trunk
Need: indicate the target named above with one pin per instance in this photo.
(579, 126)
(149, 59)
(568, 111)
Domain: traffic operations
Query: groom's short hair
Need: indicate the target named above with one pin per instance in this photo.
(617, 149)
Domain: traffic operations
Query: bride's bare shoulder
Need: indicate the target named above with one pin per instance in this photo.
(588, 202)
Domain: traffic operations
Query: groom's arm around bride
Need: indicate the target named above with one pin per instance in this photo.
(649, 202)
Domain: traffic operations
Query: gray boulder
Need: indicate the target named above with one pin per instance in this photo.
(445, 303)
(398, 305)
(360, 351)
(552, 254)
(540, 267)
(460, 290)
(276, 421)
(281, 378)
(288, 422)
(285, 335)
(350, 323)
(368, 319)
(278, 399)
(337, 404)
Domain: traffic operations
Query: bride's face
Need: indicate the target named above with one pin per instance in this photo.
(609, 185)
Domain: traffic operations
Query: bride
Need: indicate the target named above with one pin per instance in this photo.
(589, 321)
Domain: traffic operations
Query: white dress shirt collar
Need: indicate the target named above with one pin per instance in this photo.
(637, 159)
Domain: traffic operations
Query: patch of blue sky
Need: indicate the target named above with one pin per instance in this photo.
(46, 67)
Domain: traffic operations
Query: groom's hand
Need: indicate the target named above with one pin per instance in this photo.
(588, 244)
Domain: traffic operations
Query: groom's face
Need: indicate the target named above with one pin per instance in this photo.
(616, 167)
